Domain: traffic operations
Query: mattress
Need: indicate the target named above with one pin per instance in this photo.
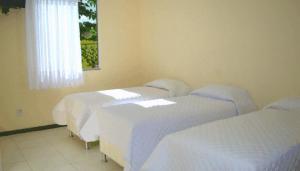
(267, 140)
(78, 107)
(136, 129)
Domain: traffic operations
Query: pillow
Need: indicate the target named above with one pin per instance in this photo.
(240, 97)
(175, 87)
(287, 104)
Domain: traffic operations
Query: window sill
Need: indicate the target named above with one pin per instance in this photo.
(92, 69)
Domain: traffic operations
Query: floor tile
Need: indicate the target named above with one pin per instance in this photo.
(74, 153)
(97, 166)
(11, 155)
(39, 152)
(66, 167)
(20, 166)
(51, 150)
(39, 164)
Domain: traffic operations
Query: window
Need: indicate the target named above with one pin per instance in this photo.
(53, 57)
(88, 34)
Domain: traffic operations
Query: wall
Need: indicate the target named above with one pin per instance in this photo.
(120, 64)
(254, 44)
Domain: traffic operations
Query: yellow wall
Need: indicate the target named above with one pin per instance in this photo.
(254, 44)
(120, 64)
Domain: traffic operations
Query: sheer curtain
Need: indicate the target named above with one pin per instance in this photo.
(53, 44)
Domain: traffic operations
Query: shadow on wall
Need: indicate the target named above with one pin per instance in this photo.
(1, 129)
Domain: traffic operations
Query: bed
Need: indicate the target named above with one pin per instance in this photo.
(267, 140)
(75, 109)
(130, 132)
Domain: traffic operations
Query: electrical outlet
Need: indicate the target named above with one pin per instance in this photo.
(19, 112)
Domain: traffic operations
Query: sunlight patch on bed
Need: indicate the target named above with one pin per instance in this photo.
(120, 94)
(153, 103)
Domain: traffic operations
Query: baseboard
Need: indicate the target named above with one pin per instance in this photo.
(25, 130)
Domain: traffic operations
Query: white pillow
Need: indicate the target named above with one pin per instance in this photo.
(238, 96)
(175, 87)
(287, 104)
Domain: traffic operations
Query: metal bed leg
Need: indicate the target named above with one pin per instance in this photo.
(105, 158)
(86, 145)
(71, 134)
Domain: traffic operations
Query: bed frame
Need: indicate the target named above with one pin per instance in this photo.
(112, 152)
(73, 131)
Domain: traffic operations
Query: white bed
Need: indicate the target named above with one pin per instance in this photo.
(267, 140)
(129, 132)
(75, 109)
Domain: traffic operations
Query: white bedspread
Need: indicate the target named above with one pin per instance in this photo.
(136, 130)
(267, 140)
(80, 105)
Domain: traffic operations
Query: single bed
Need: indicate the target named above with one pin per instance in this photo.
(267, 140)
(75, 109)
(129, 132)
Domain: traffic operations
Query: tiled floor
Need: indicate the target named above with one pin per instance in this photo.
(51, 150)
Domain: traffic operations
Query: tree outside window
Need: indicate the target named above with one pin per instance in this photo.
(88, 34)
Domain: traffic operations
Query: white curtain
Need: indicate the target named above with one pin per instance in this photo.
(53, 44)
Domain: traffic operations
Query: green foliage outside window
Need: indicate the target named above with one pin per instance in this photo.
(88, 34)
(6, 5)
(89, 51)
